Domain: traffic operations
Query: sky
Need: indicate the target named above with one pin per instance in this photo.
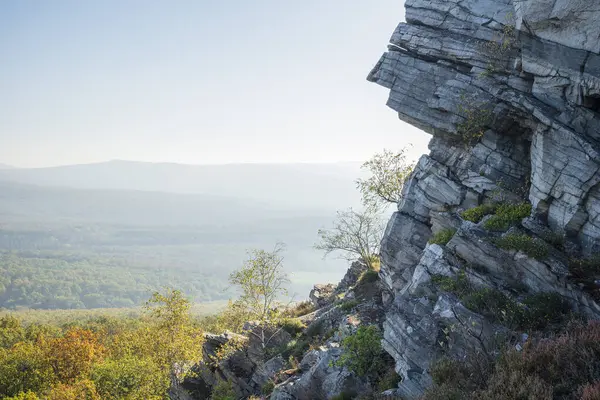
(195, 81)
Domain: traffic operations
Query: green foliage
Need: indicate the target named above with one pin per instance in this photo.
(349, 305)
(25, 367)
(586, 271)
(296, 348)
(261, 281)
(534, 248)
(368, 276)
(362, 352)
(460, 285)
(268, 388)
(293, 326)
(175, 338)
(344, 396)
(300, 309)
(535, 312)
(29, 395)
(507, 215)
(223, 390)
(388, 173)
(71, 280)
(476, 119)
(442, 237)
(476, 214)
(130, 378)
(388, 380)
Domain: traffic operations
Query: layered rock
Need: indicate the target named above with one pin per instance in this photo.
(510, 92)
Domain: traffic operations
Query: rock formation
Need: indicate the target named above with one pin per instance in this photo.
(510, 92)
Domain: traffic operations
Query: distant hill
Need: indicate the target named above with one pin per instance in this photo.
(328, 186)
(5, 166)
(26, 202)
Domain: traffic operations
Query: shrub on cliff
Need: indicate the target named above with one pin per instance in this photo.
(362, 351)
(561, 368)
(507, 215)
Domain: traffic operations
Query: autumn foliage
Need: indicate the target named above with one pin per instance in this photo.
(131, 359)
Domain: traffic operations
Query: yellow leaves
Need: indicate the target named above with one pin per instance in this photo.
(73, 355)
(83, 389)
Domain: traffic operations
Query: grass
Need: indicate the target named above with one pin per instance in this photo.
(536, 312)
(507, 215)
(476, 214)
(534, 248)
(349, 305)
(300, 309)
(442, 237)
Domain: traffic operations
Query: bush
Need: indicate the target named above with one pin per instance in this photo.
(389, 380)
(507, 215)
(223, 390)
(563, 368)
(536, 312)
(344, 396)
(459, 286)
(293, 326)
(362, 351)
(295, 348)
(348, 305)
(368, 276)
(534, 248)
(476, 214)
(442, 237)
(558, 368)
(268, 388)
(300, 309)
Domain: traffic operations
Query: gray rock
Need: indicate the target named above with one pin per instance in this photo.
(322, 294)
(322, 378)
(510, 92)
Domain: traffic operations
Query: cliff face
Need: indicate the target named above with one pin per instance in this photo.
(510, 92)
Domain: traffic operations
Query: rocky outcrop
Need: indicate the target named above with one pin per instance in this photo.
(510, 92)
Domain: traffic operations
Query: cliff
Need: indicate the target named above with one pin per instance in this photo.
(510, 92)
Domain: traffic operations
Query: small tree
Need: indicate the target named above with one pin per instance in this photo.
(262, 282)
(175, 340)
(389, 171)
(354, 234)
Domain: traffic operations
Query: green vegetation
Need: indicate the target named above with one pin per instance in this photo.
(537, 312)
(268, 388)
(362, 351)
(563, 368)
(586, 271)
(388, 380)
(349, 305)
(507, 215)
(223, 390)
(388, 172)
(121, 358)
(300, 309)
(293, 326)
(533, 247)
(476, 119)
(504, 215)
(476, 214)
(442, 237)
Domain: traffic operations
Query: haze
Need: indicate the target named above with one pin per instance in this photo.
(198, 82)
(151, 143)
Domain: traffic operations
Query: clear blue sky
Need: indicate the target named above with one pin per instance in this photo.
(195, 81)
